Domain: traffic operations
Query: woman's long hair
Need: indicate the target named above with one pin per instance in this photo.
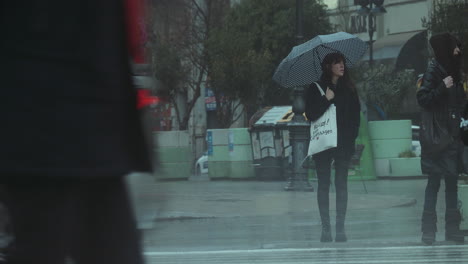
(328, 61)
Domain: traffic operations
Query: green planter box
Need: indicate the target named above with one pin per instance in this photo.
(390, 148)
(463, 199)
(390, 129)
(174, 154)
(390, 138)
(219, 169)
(232, 154)
(405, 166)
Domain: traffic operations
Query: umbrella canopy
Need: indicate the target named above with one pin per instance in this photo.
(302, 65)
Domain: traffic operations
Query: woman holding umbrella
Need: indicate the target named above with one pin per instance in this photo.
(338, 90)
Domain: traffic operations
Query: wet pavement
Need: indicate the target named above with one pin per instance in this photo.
(211, 199)
(258, 222)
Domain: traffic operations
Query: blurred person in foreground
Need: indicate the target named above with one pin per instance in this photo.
(70, 131)
(442, 99)
(339, 90)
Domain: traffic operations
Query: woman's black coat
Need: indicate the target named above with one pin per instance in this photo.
(347, 112)
(68, 108)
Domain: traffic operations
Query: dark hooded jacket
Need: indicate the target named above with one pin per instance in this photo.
(443, 46)
(347, 112)
(446, 105)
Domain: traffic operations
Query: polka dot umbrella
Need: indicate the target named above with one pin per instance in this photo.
(302, 65)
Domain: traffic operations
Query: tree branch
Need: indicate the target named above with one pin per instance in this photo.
(199, 9)
(234, 112)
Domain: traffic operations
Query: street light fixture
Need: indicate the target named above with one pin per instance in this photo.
(371, 9)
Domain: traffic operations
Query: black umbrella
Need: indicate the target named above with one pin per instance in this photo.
(302, 65)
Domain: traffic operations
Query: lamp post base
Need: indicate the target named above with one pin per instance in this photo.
(302, 184)
(299, 136)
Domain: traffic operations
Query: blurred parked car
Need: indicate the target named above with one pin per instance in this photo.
(201, 166)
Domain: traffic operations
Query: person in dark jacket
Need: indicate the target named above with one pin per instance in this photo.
(339, 90)
(70, 131)
(441, 94)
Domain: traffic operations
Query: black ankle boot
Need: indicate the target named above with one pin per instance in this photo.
(428, 238)
(323, 204)
(429, 227)
(326, 233)
(457, 237)
(340, 233)
(452, 226)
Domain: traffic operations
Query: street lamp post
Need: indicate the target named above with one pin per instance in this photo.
(299, 18)
(298, 127)
(368, 9)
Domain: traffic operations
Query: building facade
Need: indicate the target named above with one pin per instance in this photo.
(400, 38)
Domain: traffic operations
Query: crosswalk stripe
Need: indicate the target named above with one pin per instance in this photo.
(356, 255)
(155, 253)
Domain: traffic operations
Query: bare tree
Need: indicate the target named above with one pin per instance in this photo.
(180, 29)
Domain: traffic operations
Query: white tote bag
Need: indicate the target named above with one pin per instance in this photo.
(323, 132)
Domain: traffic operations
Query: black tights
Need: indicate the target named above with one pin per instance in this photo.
(323, 162)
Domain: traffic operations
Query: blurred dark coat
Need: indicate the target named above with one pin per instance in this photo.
(68, 108)
(347, 112)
